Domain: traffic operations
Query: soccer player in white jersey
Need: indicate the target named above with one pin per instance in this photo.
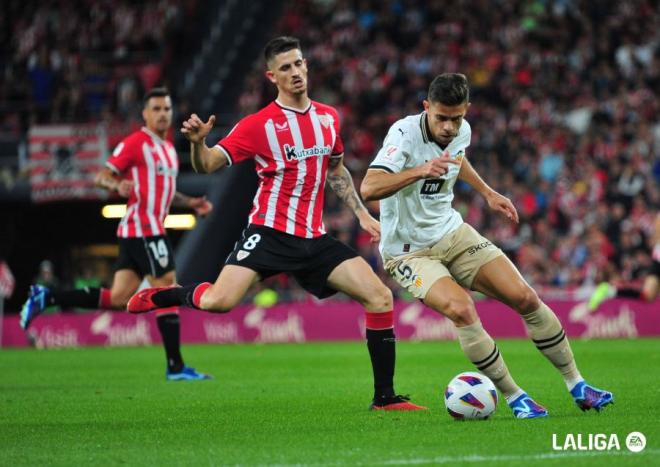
(429, 250)
(296, 145)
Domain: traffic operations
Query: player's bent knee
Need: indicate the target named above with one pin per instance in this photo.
(380, 300)
(526, 300)
(461, 312)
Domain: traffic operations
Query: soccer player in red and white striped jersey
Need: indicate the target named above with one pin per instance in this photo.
(151, 164)
(142, 168)
(297, 148)
(292, 149)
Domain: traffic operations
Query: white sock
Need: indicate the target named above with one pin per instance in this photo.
(514, 396)
(571, 383)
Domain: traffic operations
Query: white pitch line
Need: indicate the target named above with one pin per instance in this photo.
(480, 458)
(515, 457)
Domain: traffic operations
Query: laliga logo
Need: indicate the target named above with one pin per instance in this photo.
(635, 442)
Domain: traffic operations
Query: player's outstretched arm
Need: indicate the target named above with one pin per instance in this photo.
(199, 204)
(496, 201)
(108, 180)
(341, 182)
(380, 184)
(203, 158)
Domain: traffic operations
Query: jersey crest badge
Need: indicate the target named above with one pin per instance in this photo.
(326, 120)
(242, 254)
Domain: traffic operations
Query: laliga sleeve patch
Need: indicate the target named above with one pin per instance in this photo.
(390, 150)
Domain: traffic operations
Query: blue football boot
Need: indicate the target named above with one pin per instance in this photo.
(34, 305)
(525, 407)
(588, 397)
(187, 374)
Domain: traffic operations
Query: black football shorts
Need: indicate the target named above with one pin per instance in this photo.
(151, 256)
(309, 260)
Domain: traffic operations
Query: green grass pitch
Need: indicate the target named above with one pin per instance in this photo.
(306, 404)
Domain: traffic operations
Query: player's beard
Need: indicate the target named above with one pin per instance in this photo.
(299, 87)
(445, 140)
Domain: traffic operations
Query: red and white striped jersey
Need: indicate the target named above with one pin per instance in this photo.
(152, 164)
(291, 149)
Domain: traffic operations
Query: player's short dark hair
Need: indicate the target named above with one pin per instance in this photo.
(161, 91)
(280, 45)
(449, 89)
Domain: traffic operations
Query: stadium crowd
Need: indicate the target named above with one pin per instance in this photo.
(564, 116)
(564, 104)
(84, 60)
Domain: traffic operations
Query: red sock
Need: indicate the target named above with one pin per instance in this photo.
(105, 301)
(172, 310)
(198, 292)
(379, 321)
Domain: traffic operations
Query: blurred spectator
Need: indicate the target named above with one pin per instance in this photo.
(86, 278)
(46, 277)
(82, 60)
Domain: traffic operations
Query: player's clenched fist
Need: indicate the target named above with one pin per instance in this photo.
(195, 130)
(437, 166)
(125, 188)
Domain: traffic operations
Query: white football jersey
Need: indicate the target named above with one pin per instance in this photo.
(419, 215)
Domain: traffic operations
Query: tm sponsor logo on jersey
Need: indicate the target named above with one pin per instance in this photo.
(293, 153)
(432, 186)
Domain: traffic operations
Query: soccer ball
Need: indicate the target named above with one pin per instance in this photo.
(470, 395)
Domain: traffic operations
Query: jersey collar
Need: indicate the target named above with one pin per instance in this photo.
(298, 111)
(152, 134)
(424, 126)
(426, 132)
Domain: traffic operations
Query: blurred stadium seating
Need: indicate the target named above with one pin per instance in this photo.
(565, 109)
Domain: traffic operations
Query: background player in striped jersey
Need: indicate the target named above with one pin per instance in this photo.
(142, 168)
(296, 144)
(429, 250)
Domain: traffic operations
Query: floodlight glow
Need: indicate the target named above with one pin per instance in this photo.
(172, 221)
(113, 211)
(180, 221)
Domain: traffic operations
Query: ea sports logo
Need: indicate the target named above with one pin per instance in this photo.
(636, 441)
